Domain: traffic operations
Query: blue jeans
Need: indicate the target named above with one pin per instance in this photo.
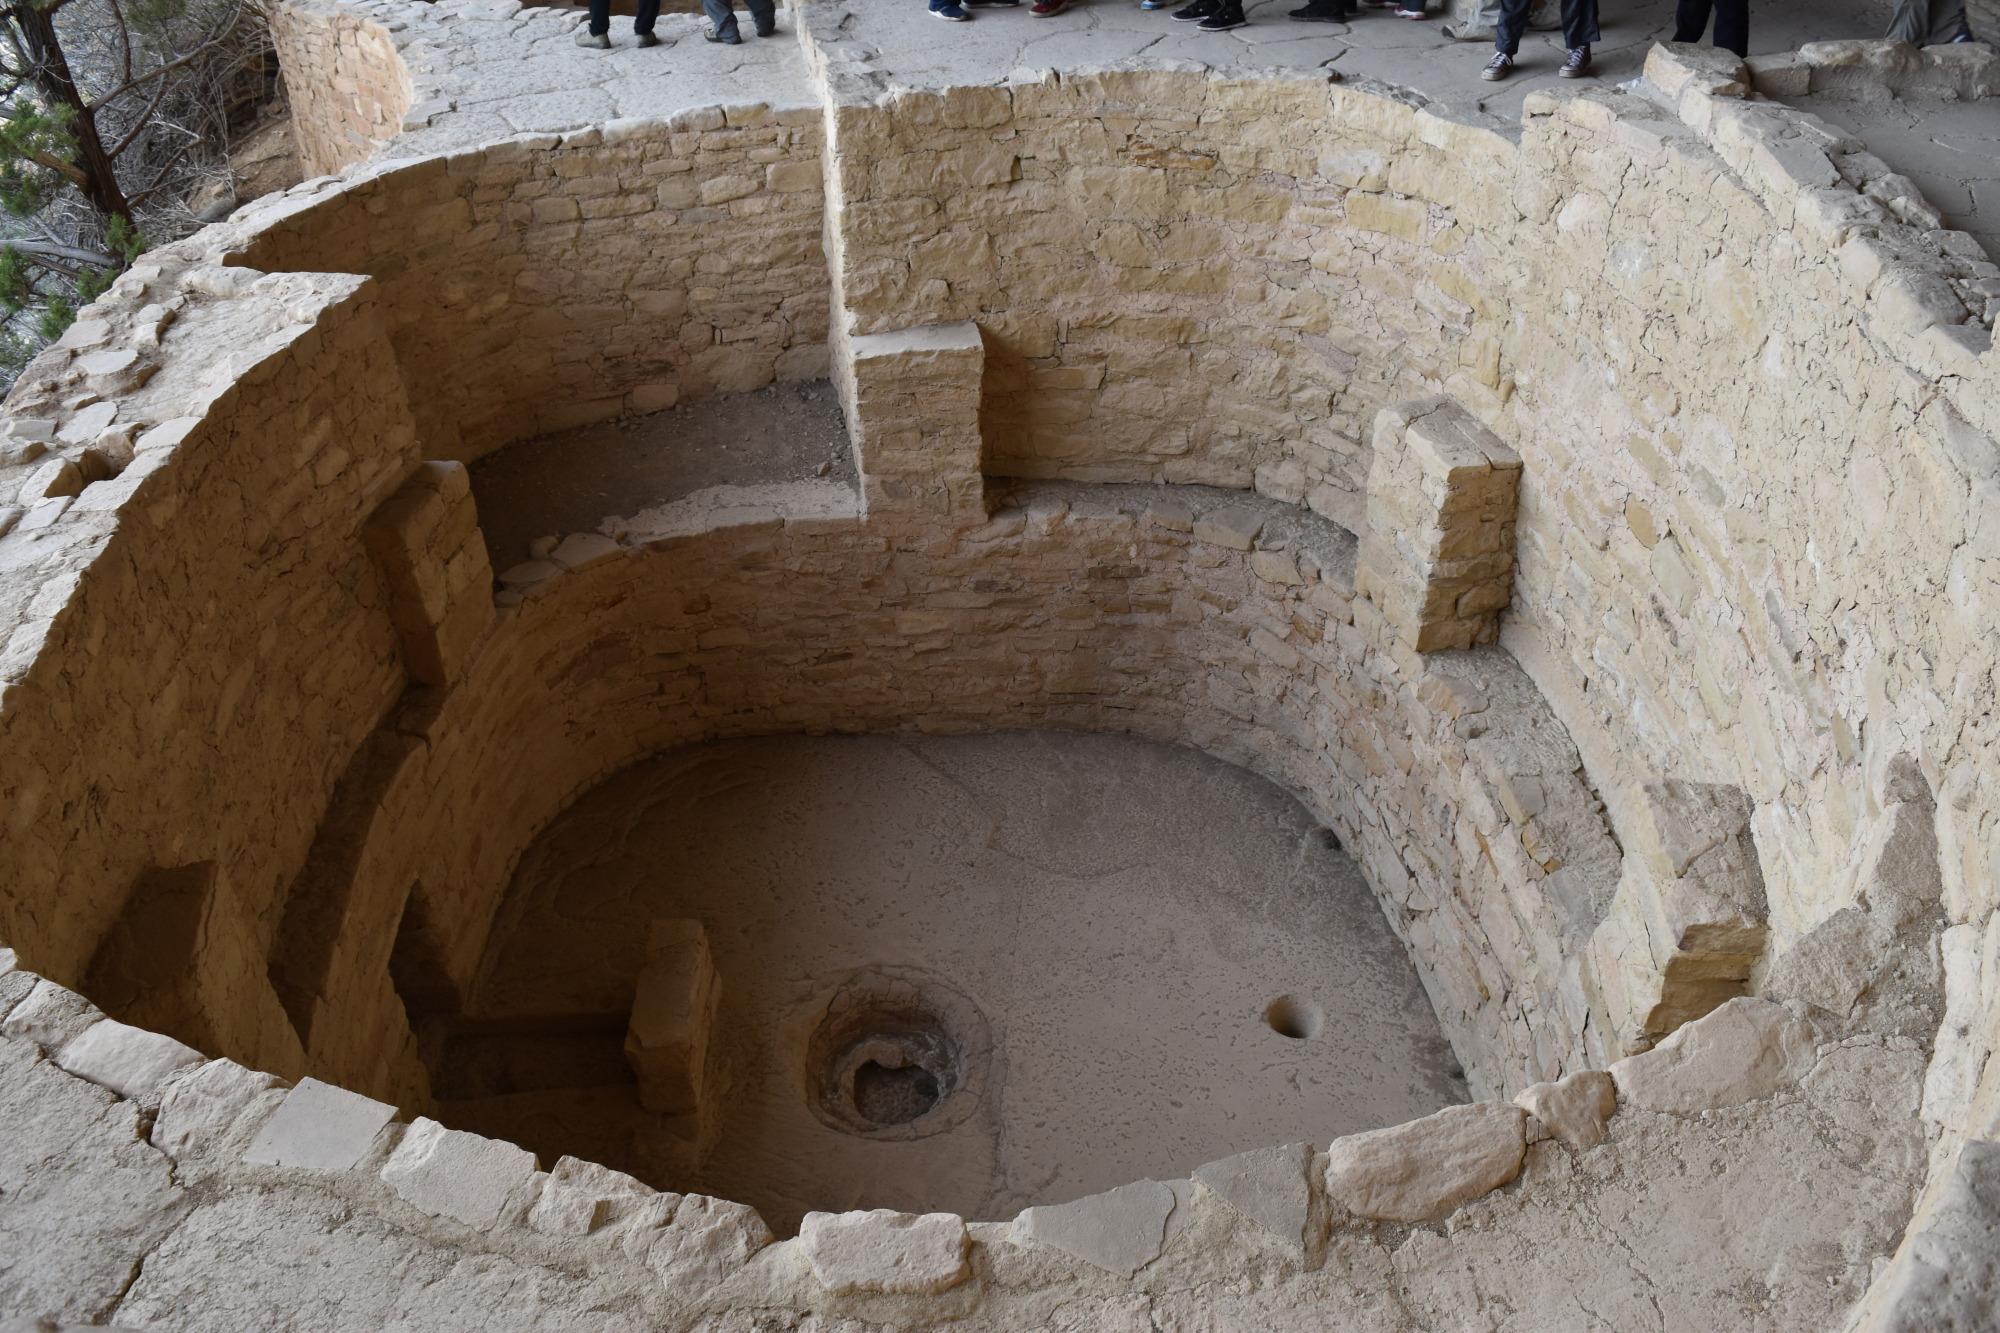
(763, 13)
(1579, 24)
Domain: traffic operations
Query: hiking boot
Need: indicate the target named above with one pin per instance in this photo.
(1045, 9)
(1320, 11)
(649, 39)
(1578, 64)
(1229, 15)
(1498, 68)
(594, 41)
(1197, 11)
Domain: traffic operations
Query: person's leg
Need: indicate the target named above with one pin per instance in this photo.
(1507, 28)
(648, 14)
(1947, 21)
(1579, 23)
(600, 17)
(721, 19)
(1411, 9)
(1691, 20)
(1910, 23)
(763, 14)
(1732, 26)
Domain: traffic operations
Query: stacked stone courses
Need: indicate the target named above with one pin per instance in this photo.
(1594, 529)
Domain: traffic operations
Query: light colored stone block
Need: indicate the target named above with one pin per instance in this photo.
(449, 1173)
(886, 1252)
(132, 1062)
(666, 1042)
(1120, 1231)
(1422, 1170)
(319, 1127)
(1575, 1109)
(1742, 1052)
(1269, 1186)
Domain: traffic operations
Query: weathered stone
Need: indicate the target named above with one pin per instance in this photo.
(1947, 1275)
(130, 1061)
(1233, 528)
(319, 1127)
(450, 1173)
(580, 1196)
(205, 1111)
(885, 1251)
(666, 1041)
(1574, 1109)
(50, 1016)
(1422, 1170)
(1269, 1186)
(1743, 1051)
(1120, 1231)
(705, 1241)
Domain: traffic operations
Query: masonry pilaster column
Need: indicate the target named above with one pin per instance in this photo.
(915, 419)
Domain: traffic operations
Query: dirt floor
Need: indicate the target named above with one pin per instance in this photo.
(1151, 958)
(573, 481)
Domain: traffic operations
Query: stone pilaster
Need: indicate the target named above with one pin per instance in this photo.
(426, 541)
(1437, 559)
(914, 414)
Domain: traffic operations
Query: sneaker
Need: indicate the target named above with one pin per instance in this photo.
(1578, 64)
(1043, 9)
(1222, 20)
(1381, 4)
(949, 11)
(1319, 11)
(1418, 14)
(1498, 68)
(728, 36)
(594, 41)
(649, 39)
(1197, 11)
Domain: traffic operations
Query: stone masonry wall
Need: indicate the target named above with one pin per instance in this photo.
(1180, 278)
(362, 88)
(200, 544)
(546, 282)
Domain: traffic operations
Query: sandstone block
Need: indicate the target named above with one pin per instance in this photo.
(581, 1196)
(666, 1042)
(319, 1127)
(1234, 527)
(1574, 1109)
(882, 1251)
(1422, 1170)
(1742, 1052)
(204, 1108)
(1120, 1231)
(705, 1240)
(50, 1016)
(132, 1062)
(426, 542)
(1269, 1186)
(1437, 557)
(449, 1173)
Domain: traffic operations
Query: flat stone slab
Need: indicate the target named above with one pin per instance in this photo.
(883, 1251)
(1422, 1170)
(1268, 1186)
(319, 1127)
(1741, 1052)
(449, 1173)
(1120, 1231)
(1576, 1108)
(130, 1061)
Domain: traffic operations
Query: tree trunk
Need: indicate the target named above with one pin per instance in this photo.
(51, 74)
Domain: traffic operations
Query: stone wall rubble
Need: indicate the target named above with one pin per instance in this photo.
(239, 1197)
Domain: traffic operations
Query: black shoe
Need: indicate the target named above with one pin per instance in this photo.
(1319, 12)
(1578, 64)
(1223, 19)
(1197, 11)
(767, 29)
(728, 36)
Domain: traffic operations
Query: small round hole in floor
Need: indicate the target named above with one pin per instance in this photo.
(1292, 1017)
(892, 1096)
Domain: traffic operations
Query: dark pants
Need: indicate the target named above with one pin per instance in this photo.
(1579, 24)
(1732, 23)
(600, 16)
(763, 13)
